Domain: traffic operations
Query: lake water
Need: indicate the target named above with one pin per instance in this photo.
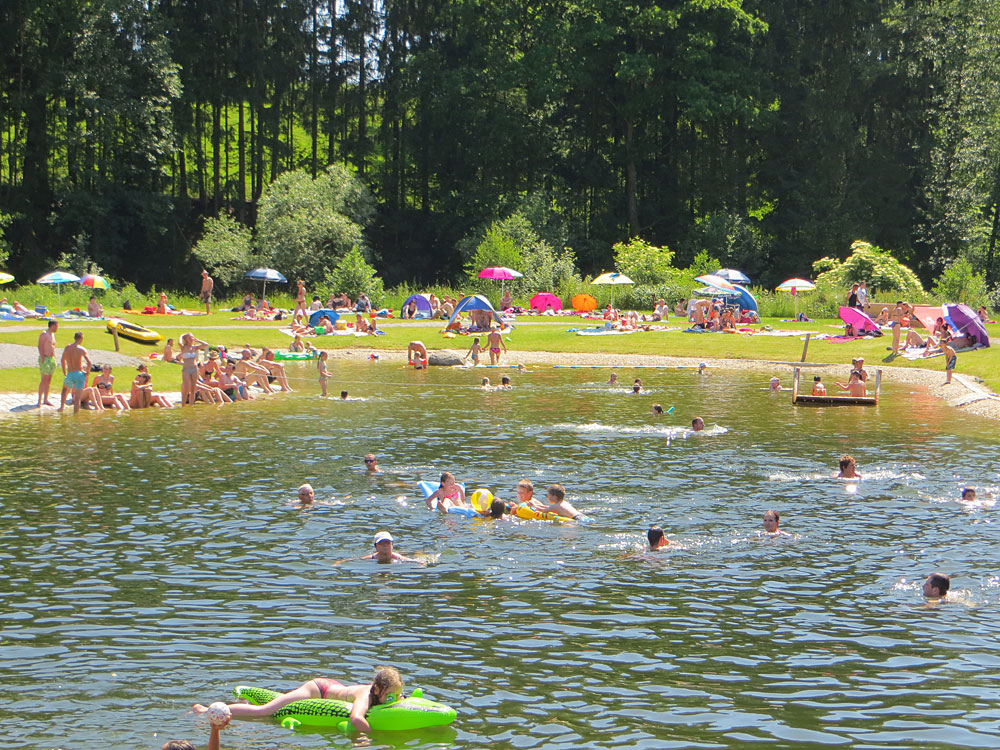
(152, 560)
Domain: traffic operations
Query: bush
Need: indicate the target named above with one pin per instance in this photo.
(645, 264)
(224, 249)
(354, 276)
(960, 283)
(870, 264)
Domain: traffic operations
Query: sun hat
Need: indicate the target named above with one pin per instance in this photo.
(383, 536)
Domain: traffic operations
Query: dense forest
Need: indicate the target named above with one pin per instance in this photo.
(768, 132)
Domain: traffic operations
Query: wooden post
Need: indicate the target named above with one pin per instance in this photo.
(805, 348)
(795, 385)
(114, 335)
(878, 384)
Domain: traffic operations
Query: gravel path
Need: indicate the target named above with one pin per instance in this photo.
(17, 355)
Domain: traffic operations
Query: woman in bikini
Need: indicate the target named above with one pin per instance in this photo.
(190, 346)
(385, 688)
(104, 383)
(449, 494)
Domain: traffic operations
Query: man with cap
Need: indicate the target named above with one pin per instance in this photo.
(383, 551)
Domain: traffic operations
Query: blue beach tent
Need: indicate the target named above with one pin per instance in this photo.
(475, 302)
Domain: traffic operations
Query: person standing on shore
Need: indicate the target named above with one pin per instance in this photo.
(46, 362)
(495, 340)
(863, 296)
(207, 285)
(73, 357)
(300, 300)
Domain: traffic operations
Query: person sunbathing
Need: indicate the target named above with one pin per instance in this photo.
(105, 385)
(326, 324)
(253, 373)
(360, 324)
(142, 395)
(275, 369)
(728, 320)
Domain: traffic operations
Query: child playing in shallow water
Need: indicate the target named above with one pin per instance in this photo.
(324, 374)
(385, 688)
(474, 351)
(449, 494)
(558, 504)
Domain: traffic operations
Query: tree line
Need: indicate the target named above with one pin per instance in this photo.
(770, 133)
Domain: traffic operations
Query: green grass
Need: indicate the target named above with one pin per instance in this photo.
(549, 336)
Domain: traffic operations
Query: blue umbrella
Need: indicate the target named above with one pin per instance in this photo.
(59, 278)
(732, 276)
(265, 275)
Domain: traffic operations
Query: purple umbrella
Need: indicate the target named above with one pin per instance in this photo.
(857, 318)
(967, 323)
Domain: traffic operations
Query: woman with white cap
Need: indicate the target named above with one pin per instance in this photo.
(383, 550)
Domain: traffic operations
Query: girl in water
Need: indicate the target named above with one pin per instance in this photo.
(449, 494)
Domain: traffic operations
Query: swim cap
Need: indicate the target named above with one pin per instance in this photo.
(383, 536)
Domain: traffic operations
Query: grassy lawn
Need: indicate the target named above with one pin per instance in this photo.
(544, 335)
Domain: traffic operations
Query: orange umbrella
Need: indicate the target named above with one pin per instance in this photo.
(584, 303)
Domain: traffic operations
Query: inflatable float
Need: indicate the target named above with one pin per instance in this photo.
(429, 488)
(133, 331)
(279, 356)
(415, 712)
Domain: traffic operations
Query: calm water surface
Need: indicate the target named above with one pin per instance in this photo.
(152, 560)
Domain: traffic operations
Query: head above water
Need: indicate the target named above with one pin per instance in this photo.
(556, 493)
(936, 586)
(498, 508)
(654, 536)
(697, 424)
(387, 686)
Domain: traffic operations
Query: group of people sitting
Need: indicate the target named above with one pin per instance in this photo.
(223, 377)
(100, 394)
(715, 315)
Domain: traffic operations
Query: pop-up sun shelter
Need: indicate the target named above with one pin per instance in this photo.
(741, 297)
(475, 302)
(423, 305)
(317, 316)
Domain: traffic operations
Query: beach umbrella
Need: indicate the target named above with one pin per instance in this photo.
(95, 282)
(265, 275)
(5, 278)
(613, 278)
(858, 319)
(732, 275)
(967, 323)
(59, 278)
(500, 272)
(583, 303)
(795, 286)
(544, 300)
(716, 282)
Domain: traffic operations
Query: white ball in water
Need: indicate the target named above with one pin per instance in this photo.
(218, 714)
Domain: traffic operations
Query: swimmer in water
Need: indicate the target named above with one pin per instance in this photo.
(485, 385)
(969, 495)
(657, 410)
(385, 688)
(848, 468)
(505, 384)
(306, 495)
(343, 395)
(371, 464)
(657, 539)
(771, 521)
(613, 380)
(697, 424)
(775, 383)
(448, 494)
(703, 369)
(384, 552)
(936, 586)
(558, 504)
(526, 494)
(497, 509)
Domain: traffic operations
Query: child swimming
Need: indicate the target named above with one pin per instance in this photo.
(386, 687)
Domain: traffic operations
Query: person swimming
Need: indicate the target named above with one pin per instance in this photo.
(449, 494)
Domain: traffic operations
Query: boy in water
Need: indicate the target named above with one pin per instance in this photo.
(950, 358)
(385, 688)
(936, 586)
(526, 494)
(969, 495)
(848, 468)
(657, 539)
(558, 504)
(818, 388)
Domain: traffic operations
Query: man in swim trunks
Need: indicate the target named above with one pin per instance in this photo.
(384, 552)
(73, 358)
(46, 361)
(495, 340)
(207, 285)
(385, 688)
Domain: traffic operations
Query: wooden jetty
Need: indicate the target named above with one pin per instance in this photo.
(807, 399)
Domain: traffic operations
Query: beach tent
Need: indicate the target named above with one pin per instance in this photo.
(965, 322)
(926, 315)
(584, 303)
(315, 318)
(544, 300)
(740, 297)
(475, 302)
(858, 319)
(423, 305)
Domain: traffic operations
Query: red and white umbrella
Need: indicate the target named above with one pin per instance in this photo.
(795, 286)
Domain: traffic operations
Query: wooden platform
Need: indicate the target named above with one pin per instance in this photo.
(810, 400)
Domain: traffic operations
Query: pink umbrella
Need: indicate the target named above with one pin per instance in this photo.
(500, 272)
(544, 300)
(857, 318)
